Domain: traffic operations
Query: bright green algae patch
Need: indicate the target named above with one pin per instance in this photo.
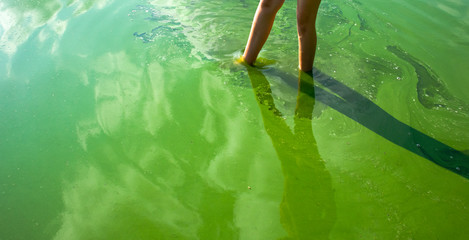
(130, 120)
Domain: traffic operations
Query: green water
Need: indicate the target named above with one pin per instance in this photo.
(130, 120)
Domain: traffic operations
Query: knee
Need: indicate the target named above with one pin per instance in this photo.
(306, 14)
(271, 5)
(306, 23)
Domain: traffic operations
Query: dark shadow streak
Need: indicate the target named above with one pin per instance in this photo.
(362, 110)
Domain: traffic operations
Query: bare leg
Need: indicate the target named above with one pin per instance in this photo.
(306, 12)
(261, 26)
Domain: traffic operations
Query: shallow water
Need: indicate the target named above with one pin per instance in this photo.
(130, 120)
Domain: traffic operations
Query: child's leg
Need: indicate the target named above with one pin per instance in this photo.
(306, 12)
(261, 26)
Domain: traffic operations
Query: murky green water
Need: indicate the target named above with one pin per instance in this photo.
(130, 120)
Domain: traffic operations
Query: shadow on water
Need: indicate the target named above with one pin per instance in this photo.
(308, 206)
(362, 110)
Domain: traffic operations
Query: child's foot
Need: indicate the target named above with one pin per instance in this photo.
(240, 61)
(261, 63)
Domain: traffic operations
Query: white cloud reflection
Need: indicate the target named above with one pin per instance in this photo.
(127, 188)
(137, 208)
(121, 94)
(132, 183)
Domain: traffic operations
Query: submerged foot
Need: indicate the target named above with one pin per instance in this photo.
(262, 63)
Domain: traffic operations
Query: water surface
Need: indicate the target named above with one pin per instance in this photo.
(131, 120)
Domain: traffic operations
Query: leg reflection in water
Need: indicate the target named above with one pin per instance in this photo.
(308, 209)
